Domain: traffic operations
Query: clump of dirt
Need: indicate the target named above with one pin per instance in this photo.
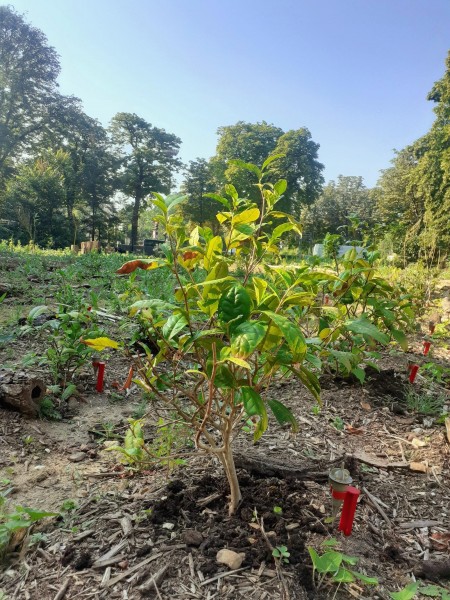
(280, 519)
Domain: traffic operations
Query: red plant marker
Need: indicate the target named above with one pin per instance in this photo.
(413, 372)
(426, 348)
(348, 510)
(100, 376)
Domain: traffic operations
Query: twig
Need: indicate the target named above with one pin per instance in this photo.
(376, 505)
(62, 590)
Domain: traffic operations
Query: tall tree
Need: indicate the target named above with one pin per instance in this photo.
(197, 182)
(148, 160)
(253, 143)
(299, 165)
(28, 71)
(34, 198)
(339, 200)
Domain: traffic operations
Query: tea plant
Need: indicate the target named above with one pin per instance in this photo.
(214, 350)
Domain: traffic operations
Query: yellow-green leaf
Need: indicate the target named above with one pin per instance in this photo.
(100, 343)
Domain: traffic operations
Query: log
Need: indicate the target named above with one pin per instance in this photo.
(265, 467)
(21, 391)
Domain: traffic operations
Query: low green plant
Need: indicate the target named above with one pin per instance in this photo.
(18, 519)
(417, 589)
(333, 567)
(281, 553)
(425, 402)
(278, 510)
(338, 423)
(230, 332)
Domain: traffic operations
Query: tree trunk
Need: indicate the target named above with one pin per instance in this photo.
(135, 219)
(21, 391)
(227, 460)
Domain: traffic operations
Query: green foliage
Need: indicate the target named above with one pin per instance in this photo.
(14, 521)
(228, 333)
(281, 553)
(333, 567)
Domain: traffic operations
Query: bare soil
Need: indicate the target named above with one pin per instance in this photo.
(156, 535)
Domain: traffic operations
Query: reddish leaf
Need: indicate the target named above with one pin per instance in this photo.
(440, 541)
(353, 430)
(189, 255)
(132, 265)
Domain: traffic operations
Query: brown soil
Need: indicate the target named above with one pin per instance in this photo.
(149, 524)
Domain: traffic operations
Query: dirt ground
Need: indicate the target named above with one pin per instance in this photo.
(126, 528)
(156, 534)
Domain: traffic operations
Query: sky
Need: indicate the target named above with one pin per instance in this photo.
(356, 73)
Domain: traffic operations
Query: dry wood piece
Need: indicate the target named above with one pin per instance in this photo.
(375, 461)
(150, 585)
(419, 524)
(62, 591)
(21, 391)
(262, 466)
(376, 504)
(447, 427)
(433, 569)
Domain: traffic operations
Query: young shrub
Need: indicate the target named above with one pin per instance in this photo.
(225, 338)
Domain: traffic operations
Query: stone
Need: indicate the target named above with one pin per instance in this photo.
(231, 559)
(77, 457)
(192, 537)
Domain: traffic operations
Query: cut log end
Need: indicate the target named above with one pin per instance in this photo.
(21, 391)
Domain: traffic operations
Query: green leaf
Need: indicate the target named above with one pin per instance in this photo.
(432, 591)
(360, 374)
(218, 198)
(364, 327)
(270, 160)
(246, 338)
(37, 311)
(173, 326)
(343, 576)
(351, 560)
(407, 593)
(246, 216)
(280, 187)
(36, 515)
(401, 338)
(328, 562)
(292, 333)
(234, 306)
(247, 166)
(238, 361)
(279, 230)
(330, 543)
(254, 405)
(154, 303)
(309, 380)
(283, 414)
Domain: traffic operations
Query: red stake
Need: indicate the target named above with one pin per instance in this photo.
(100, 375)
(426, 348)
(413, 372)
(348, 510)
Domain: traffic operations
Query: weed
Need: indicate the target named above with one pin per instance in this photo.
(338, 423)
(18, 520)
(47, 410)
(278, 510)
(281, 553)
(332, 567)
(425, 402)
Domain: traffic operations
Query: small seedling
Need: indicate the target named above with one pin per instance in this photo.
(278, 510)
(338, 423)
(281, 553)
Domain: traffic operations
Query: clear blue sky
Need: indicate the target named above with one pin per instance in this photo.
(355, 72)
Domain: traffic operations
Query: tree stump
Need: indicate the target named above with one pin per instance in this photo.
(21, 391)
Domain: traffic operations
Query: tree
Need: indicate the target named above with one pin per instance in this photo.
(338, 201)
(148, 160)
(35, 195)
(301, 169)
(28, 71)
(253, 143)
(198, 181)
